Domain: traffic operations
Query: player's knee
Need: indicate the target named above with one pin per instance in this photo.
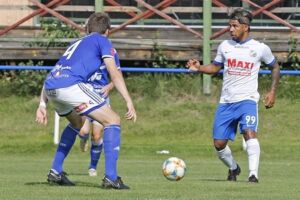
(115, 120)
(75, 120)
(249, 134)
(112, 120)
(84, 131)
(96, 137)
(220, 144)
(76, 125)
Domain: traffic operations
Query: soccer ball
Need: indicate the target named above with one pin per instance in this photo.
(174, 169)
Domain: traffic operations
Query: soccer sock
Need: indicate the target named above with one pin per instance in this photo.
(111, 140)
(253, 150)
(66, 142)
(95, 153)
(226, 157)
(85, 136)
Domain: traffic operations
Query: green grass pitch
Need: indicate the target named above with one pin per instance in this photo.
(182, 126)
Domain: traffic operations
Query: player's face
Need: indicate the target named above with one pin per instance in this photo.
(238, 31)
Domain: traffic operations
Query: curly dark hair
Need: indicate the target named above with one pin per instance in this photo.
(242, 16)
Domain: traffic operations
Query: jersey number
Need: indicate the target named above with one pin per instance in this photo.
(69, 52)
(250, 119)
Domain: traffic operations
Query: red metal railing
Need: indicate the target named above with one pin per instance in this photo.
(151, 10)
(260, 9)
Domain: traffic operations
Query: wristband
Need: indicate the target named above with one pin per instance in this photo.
(43, 104)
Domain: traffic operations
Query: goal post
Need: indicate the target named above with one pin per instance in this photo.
(56, 129)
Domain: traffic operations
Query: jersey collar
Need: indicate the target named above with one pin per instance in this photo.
(244, 41)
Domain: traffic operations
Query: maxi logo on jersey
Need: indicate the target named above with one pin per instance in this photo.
(238, 67)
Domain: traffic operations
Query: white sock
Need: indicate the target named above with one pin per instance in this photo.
(253, 151)
(226, 157)
(244, 144)
(97, 143)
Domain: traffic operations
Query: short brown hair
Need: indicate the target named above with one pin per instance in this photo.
(98, 22)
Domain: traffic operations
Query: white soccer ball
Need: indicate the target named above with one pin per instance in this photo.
(174, 169)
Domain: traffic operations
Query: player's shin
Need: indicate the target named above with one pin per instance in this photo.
(253, 150)
(66, 142)
(96, 149)
(226, 157)
(111, 140)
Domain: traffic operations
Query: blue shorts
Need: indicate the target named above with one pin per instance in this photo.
(229, 115)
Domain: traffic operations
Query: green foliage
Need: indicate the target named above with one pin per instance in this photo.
(161, 85)
(289, 87)
(30, 82)
(22, 82)
(292, 56)
(161, 60)
(54, 29)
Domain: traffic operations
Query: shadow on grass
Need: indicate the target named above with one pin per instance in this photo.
(76, 174)
(221, 180)
(77, 184)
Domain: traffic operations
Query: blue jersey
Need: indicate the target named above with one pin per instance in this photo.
(100, 78)
(81, 59)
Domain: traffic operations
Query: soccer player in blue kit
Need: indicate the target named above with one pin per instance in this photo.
(102, 85)
(241, 58)
(68, 88)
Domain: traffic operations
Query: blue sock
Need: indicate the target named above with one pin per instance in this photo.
(85, 136)
(95, 153)
(111, 140)
(66, 142)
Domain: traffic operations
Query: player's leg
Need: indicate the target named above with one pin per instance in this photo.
(244, 144)
(224, 130)
(84, 135)
(66, 142)
(85, 101)
(248, 126)
(253, 151)
(111, 139)
(69, 102)
(96, 147)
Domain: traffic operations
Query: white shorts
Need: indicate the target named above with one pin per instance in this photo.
(80, 97)
(94, 121)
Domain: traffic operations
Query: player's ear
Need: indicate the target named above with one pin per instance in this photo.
(246, 27)
(106, 32)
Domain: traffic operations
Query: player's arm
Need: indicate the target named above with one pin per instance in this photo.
(269, 99)
(194, 65)
(41, 112)
(118, 81)
(105, 90)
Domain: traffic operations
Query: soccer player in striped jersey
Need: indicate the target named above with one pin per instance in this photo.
(68, 88)
(241, 58)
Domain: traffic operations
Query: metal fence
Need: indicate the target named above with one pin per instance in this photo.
(142, 70)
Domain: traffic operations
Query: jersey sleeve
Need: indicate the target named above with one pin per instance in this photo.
(267, 57)
(219, 59)
(106, 48)
(117, 61)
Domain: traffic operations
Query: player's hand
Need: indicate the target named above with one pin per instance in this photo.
(131, 114)
(193, 65)
(106, 90)
(41, 115)
(269, 99)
